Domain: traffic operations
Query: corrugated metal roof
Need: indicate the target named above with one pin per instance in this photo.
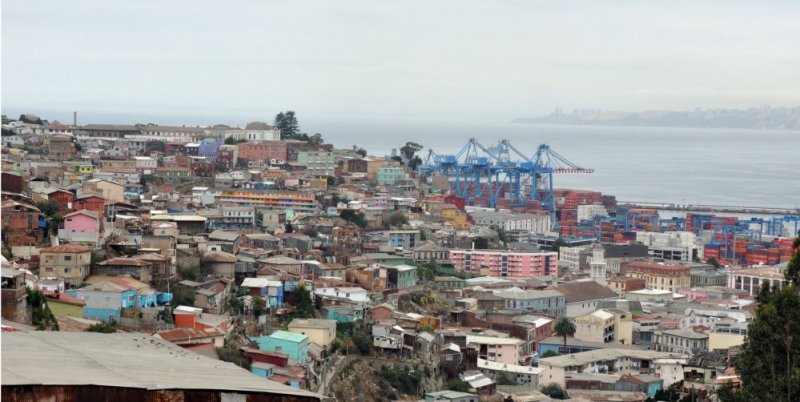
(122, 360)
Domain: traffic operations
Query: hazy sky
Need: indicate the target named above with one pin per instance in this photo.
(408, 59)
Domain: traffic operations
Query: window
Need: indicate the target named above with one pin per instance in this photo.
(67, 258)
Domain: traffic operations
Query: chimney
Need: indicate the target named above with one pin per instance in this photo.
(75, 119)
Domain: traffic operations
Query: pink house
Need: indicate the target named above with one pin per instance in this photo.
(496, 349)
(81, 226)
(501, 263)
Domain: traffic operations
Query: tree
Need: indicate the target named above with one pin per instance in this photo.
(457, 385)
(362, 152)
(408, 151)
(549, 353)
(505, 379)
(427, 270)
(768, 363)
(564, 327)
(288, 228)
(303, 306)
(713, 261)
(560, 242)
(481, 243)
(554, 391)
(233, 141)
(105, 327)
(287, 125)
(396, 219)
(352, 216)
(501, 233)
(363, 342)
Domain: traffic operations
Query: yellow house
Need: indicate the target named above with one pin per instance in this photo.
(85, 169)
(460, 223)
(321, 332)
(605, 326)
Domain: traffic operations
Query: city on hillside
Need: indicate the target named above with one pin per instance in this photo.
(259, 262)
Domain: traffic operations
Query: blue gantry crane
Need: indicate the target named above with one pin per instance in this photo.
(484, 173)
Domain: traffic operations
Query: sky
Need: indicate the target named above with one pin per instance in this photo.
(216, 61)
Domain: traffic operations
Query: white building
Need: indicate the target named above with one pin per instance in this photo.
(589, 212)
(145, 164)
(675, 246)
(570, 257)
(611, 361)
(169, 134)
(533, 223)
(256, 131)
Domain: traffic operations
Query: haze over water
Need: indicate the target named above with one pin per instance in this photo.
(677, 165)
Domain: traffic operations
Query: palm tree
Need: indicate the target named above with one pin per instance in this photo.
(564, 327)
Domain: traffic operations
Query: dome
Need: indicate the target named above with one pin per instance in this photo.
(258, 125)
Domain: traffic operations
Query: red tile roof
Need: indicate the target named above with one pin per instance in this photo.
(68, 248)
(127, 262)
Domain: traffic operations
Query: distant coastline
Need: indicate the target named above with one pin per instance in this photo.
(766, 118)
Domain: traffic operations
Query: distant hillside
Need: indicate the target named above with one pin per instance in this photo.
(754, 118)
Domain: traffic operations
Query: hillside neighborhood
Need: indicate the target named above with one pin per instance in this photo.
(262, 261)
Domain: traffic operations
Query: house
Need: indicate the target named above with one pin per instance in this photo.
(321, 332)
(702, 370)
(478, 381)
(90, 202)
(107, 189)
(550, 302)
(609, 361)
(81, 226)
(681, 340)
(145, 295)
(450, 396)
(400, 276)
(228, 239)
(263, 241)
(282, 264)
(331, 269)
(124, 266)
(607, 325)
(14, 295)
(293, 344)
(270, 290)
(22, 223)
(194, 317)
(218, 264)
(381, 312)
(582, 297)
(191, 337)
(64, 198)
(497, 349)
(522, 375)
(70, 262)
(105, 300)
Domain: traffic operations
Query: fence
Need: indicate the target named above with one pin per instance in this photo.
(143, 325)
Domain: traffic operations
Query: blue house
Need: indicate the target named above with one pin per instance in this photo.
(209, 148)
(270, 290)
(264, 370)
(289, 343)
(104, 300)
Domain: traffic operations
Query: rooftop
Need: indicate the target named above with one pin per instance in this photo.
(122, 360)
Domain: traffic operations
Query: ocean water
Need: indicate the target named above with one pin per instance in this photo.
(677, 165)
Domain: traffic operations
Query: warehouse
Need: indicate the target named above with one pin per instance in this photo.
(93, 366)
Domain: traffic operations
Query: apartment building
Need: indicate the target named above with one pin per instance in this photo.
(502, 263)
(268, 199)
(317, 163)
(605, 326)
(68, 261)
(659, 275)
(264, 151)
(533, 223)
